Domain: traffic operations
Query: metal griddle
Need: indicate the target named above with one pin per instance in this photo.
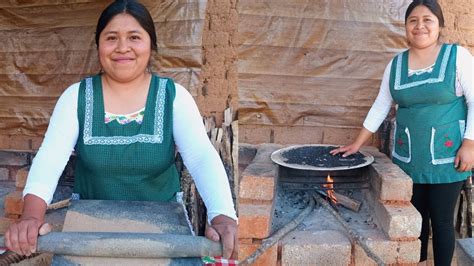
(278, 158)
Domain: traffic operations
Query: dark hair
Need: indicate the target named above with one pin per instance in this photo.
(134, 9)
(432, 5)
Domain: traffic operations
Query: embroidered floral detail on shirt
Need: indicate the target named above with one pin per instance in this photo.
(400, 142)
(125, 119)
(448, 143)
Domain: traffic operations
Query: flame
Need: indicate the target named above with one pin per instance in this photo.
(330, 191)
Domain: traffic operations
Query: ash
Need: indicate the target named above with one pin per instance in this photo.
(289, 203)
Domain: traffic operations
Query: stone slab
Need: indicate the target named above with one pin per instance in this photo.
(465, 251)
(125, 216)
(315, 248)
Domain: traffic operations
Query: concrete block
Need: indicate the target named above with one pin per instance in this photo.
(264, 152)
(247, 153)
(380, 245)
(255, 220)
(465, 251)
(258, 182)
(398, 222)
(409, 252)
(389, 182)
(315, 248)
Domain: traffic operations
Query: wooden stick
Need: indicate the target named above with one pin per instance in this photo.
(345, 201)
(272, 240)
(59, 204)
(358, 239)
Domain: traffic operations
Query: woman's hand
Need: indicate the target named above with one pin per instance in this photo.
(346, 150)
(465, 156)
(21, 237)
(224, 229)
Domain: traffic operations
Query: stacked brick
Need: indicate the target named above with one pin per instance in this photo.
(13, 167)
(256, 202)
(395, 242)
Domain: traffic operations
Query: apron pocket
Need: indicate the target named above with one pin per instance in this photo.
(402, 144)
(445, 142)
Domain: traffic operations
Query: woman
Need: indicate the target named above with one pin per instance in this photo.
(129, 156)
(433, 86)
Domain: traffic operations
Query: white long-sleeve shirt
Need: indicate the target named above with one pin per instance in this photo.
(464, 86)
(199, 156)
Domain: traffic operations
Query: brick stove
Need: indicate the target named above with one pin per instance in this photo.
(388, 222)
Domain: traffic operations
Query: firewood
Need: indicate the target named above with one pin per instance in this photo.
(345, 201)
(273, 239)
(355, 237)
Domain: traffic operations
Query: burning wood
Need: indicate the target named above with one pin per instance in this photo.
(339, 199)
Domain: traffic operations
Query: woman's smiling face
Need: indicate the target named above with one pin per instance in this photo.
(124, 48)
(422, 27)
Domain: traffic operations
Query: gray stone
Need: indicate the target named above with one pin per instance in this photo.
(125, 216)
(465, 251)
(316, 248)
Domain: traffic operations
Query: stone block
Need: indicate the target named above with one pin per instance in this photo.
(14, 203)
(389, 182)
(21, 177)
(409, 252)
(315, 248)
(255, 220)
(246, 153)
(398, 222)
(258, 182)
(264, 152)
(4, 174)
(268, 258)
(380, 245)
(465, 251)
(13, 158)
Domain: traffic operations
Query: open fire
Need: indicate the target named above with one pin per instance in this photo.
(330, 189)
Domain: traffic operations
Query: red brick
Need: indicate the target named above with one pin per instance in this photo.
(258, 182)
(268, 258)
(20, 178)
(14, 203)
(254, 220)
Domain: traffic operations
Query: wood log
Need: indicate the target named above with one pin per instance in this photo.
(354, 236)
(343, 200)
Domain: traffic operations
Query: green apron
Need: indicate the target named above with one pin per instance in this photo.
(126, 162)
(430, 120)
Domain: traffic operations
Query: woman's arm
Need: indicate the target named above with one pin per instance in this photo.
(57, 146)
(45, 171)
(374, 119)
(207, 170)
(464, 160)
(200, 157)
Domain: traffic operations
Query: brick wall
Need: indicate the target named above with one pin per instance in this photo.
(459, 22)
